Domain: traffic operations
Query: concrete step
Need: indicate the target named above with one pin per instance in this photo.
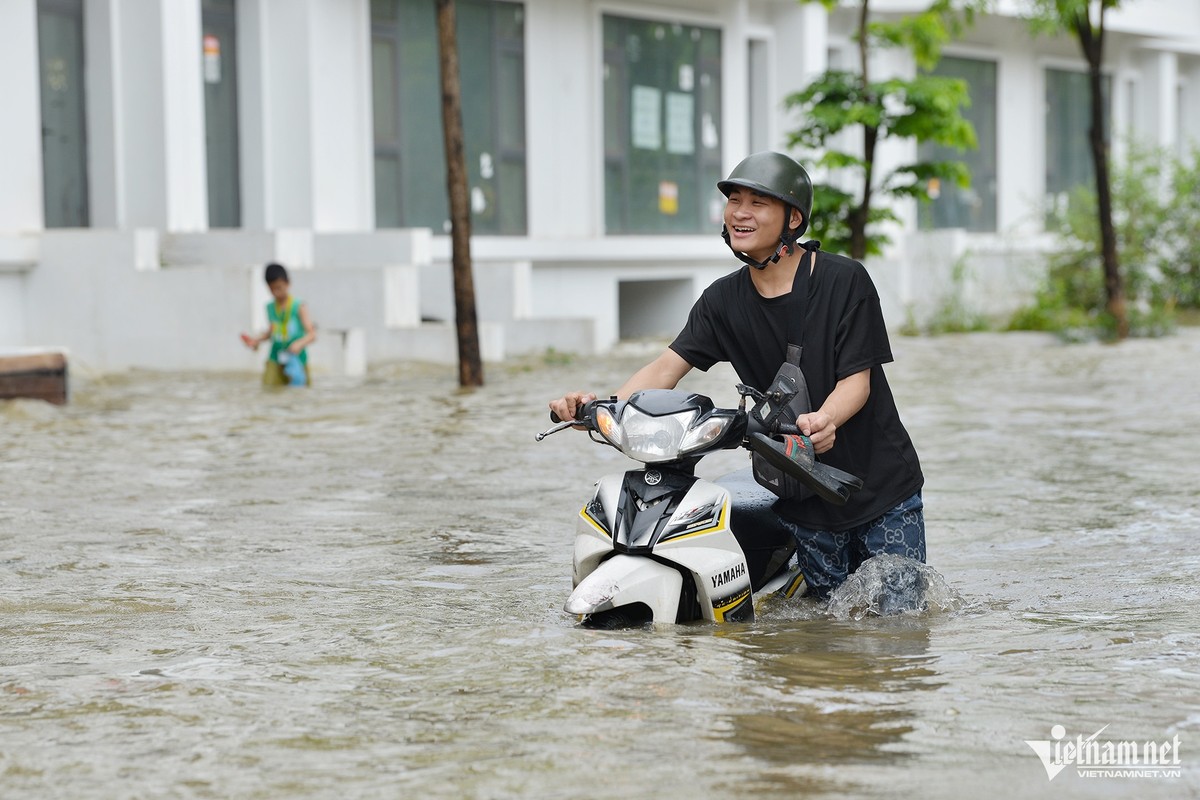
(34, 374)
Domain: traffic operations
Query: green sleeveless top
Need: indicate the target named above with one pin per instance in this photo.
(286, 327)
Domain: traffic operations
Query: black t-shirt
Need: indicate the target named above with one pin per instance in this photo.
(844, 333)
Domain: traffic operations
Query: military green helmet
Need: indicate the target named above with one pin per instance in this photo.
(775, 175)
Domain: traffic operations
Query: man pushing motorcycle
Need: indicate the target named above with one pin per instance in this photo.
(793, 303)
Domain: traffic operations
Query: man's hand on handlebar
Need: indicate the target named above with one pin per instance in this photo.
(568, 406)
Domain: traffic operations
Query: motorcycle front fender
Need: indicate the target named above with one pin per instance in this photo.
(624, 580)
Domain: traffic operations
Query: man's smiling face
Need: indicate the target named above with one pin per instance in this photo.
(754, 222)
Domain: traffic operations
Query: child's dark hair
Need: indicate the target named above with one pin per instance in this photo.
(276, 272)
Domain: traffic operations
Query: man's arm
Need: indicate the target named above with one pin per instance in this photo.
(847, 399)
(664, 372)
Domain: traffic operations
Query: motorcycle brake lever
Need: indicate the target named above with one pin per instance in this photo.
(559, 427)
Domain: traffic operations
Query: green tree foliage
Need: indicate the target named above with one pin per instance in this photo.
(1156, 220)
(925, 108)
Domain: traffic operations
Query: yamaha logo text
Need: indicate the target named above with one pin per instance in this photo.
(733, 573)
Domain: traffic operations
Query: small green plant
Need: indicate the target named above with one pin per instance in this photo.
(556, 358)
(953, 313)
(1156, 215)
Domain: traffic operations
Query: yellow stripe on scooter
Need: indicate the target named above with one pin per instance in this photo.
(736, 600)
(793, 587)
(583, 513)
(716, 526)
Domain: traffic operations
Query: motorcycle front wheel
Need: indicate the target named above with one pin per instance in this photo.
(635, 615)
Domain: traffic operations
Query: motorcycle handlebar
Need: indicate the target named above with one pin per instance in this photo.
(581, 413)
(580, 421)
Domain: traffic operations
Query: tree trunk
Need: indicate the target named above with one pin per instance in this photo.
(862, 213)
(857, 221)
(470, 366)
(1092, 42)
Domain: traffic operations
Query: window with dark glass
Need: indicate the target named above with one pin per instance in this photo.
(1068, 120)
(410, 163)
(64, 119)
(662, 123)
(951, 206)
(219, 71)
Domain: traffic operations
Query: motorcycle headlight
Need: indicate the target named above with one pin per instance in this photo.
(650, 439)
(608, 426)
(704, 433)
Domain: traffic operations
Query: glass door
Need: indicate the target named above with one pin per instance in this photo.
(64, 119)
(219, 70)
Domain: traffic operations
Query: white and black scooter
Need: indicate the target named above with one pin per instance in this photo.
(661, 545)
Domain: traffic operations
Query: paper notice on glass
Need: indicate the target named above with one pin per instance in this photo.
(646, 117)
(681, 123)
(708, 132)
(212, 59)
(668, 197)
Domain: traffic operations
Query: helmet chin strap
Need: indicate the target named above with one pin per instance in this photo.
(787, 242)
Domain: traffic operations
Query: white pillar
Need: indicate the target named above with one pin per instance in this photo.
(801, 53)
(1165, 67)
(563, 112)
(305, 109)
(146, 115)
(21, 121)
(1189, 106)
(1020, 142)
(186, 162)
(735, 81)
(343, 132)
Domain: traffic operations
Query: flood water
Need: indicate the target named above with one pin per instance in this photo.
(212, 591)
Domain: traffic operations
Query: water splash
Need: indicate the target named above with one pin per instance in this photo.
(889, 584)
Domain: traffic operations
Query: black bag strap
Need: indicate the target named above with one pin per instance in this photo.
(798, 311)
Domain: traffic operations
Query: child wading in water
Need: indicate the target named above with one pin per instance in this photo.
(290, 333)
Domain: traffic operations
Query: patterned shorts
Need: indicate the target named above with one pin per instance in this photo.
(827, 558)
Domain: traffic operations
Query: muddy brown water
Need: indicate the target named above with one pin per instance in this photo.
(208, 590)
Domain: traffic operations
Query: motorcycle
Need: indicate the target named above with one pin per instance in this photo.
(659, 544)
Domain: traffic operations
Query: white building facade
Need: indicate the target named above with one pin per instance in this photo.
(155, 154)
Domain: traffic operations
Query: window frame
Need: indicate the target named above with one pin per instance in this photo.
(627, 14)
(504, 152)
(925, 209)
(1045, 66)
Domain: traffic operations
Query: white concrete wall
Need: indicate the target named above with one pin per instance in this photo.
(307, 179)
(12, 307)
(563, 131)
(1020, 140)
(340, 71)
(20, 124)
(147, 158)
(185, 160)
(305, 111)
(109, 298)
